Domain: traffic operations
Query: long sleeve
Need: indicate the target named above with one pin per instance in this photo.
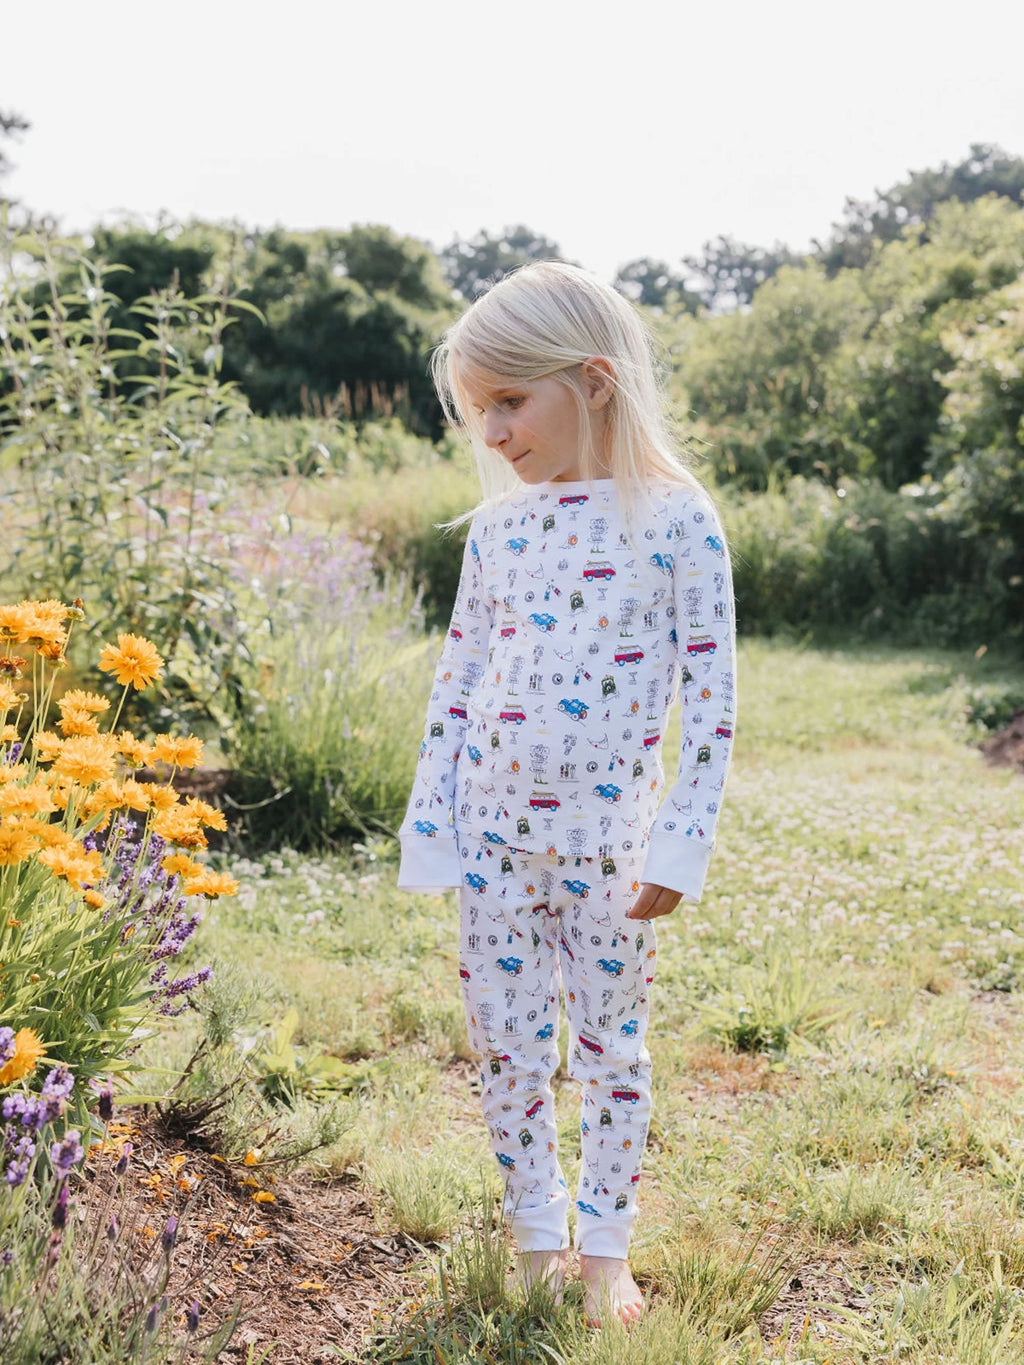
(682, 839)
(427, 835)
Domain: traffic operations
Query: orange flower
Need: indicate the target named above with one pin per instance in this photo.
(75, 865)
(177, 826)
(10, 697)
(16, 843)
(77, 700)
(47, 745)
(181, 865)
(12, 772)
(27, 1051)
(95, 899)
(32, 799)
(211, 884)
(86, 758)
(52, 836)
(134, 750)
(160, 797)
(205, 813)
(8, 734)
(15, 622)
(76, 720)
(132, 660)
(134, 794)
(178, 751)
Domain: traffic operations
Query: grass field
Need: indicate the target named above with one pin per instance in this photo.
(836, 1167)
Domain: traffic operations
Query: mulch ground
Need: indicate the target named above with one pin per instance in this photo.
(1006, 749)
(301, 1261)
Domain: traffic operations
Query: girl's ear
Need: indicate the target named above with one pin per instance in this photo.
(598, 381)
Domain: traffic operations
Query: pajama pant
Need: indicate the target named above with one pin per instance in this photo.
(531, 922)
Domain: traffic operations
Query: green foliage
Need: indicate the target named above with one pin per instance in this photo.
(326, 744)
(774, 1009)
(727, 273)
(113, 489)
(472, 266)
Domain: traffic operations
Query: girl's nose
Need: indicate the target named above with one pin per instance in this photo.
(495, 430)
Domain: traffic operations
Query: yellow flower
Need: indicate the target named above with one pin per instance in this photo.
(78, 700)
(177, 826)
(16, 843)
(8, 734)
(15, 622)
(47, 745)
(181, 865)
(95, 899)
(10, 697)
(134, 750)
(205, 813)
(75, 865)
(86, 758)
(134, 794)
(160, 797)
(211, 884)
(53, 836)
(32, 799)
(178, 751)
(132, 660)
(76, 720)
(27, 1051)
(106, 797)
(12, 772)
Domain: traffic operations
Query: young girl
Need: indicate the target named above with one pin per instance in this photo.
(595, 578)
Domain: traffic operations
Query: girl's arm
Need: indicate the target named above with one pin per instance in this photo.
(429, 849)
(683, 836)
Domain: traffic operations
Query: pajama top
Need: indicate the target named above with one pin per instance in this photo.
(569, 638)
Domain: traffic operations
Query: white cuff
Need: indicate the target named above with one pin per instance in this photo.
(677, 862)
(429, 863)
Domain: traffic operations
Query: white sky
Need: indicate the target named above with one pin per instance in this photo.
(618, 129)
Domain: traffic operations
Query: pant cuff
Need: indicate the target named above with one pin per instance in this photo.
(603, 1239)
(542, 1229)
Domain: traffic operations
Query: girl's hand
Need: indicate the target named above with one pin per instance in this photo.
(654, 901)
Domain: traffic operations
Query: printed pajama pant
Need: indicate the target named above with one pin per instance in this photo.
(530, 923)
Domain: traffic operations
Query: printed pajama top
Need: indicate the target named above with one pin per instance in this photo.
(566, 647)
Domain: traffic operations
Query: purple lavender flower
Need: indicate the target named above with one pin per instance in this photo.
(59, 1217)
(21, 1160)
(169, 1234)
(67, 1153)
(122, 1161)
(7, 1048)
(192, 1317)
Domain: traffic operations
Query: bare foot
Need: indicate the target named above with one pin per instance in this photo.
(542, 1268)
(609, 1287)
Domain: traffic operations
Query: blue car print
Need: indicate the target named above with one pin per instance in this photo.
(574, 707)
(662, 562)
(583, 1208)
(475, 880)
(474, 754)
(608, 791)
(517, 546)
(491, 838)
(628, 1029)
(543, 620)
(611, 965)
(512, 965)
(580, 889)
(506, 1161)
(543, 1034)
(715, 543)
(426, 827)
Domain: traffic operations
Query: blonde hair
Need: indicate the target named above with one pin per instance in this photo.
(546, 319)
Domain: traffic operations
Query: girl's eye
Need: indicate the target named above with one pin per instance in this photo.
(514, 400)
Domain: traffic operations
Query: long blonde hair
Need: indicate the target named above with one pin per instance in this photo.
(546, 319)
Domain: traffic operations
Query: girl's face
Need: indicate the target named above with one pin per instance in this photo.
(537, 424)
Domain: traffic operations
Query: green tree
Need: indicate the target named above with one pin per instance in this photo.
(727, 273)
(986, 169)
(652, 284)
(10, 125)
(472, 266)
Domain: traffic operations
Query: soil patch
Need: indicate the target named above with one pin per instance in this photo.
(807, 1307)
(1006, 749)
(301, 1261)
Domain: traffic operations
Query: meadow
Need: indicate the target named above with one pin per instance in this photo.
(836, 1167)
